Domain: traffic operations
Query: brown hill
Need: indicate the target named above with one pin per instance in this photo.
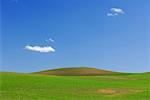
(76, 71)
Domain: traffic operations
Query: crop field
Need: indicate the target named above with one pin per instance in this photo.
(20, 86)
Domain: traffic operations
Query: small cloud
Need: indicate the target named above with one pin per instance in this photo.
(115, 12)
(110, 14)
(44, 49)
(50, 40)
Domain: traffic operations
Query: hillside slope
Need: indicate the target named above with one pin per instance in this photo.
(76, 71)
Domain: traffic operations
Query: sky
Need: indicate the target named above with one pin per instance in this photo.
(45, 34)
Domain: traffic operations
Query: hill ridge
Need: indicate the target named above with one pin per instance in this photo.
(76, 71)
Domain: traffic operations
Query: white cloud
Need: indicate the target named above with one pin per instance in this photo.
(44, 49)
(50, 40)
(115, 12)
(110, 14)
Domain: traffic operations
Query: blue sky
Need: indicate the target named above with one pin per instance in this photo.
(46, 34)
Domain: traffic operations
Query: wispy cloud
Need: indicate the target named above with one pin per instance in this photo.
(42, 49)
(49, 40)
(115, 12)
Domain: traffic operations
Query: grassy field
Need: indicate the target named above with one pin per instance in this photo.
(18, 86)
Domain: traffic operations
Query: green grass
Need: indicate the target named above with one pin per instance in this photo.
(15, 86)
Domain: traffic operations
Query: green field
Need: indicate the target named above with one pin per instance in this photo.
(18, 86)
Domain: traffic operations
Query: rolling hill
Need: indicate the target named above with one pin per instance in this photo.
(77, 71)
